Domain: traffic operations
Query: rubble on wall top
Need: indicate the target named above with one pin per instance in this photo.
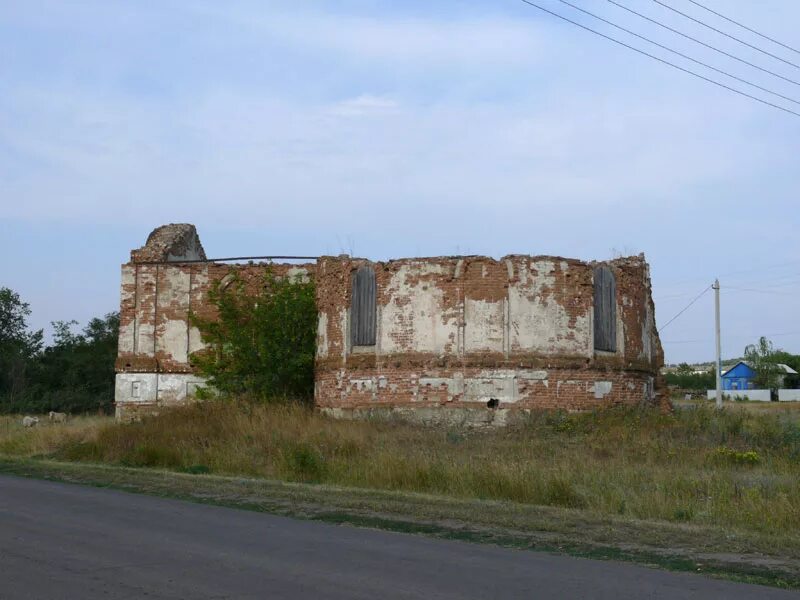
(169, 243)
(177, 242)
(620, 261)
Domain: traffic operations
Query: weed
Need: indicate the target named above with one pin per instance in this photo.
(682, 514)
(303, 462)
(196, 469)
(728, 455)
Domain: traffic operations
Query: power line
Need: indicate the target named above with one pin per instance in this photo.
(761, 268)
(741, 289)
(684, 309)
(743, 26)
(764, 286)
(764, 267)
(699, 22)
(714, 48)
(661, 60)
(681, 54)
(779, 284)
(735, 336)
(671, 296)
(788, 279)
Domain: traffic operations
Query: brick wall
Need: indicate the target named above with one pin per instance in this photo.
(467, 332)
(158, 291)
(155, 333)
(461, 333)
(476, 387)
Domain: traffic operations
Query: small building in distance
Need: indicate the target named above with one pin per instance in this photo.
(741, 376)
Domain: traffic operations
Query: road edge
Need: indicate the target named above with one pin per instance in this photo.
(277, 498)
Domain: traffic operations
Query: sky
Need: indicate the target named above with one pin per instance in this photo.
(388, 129)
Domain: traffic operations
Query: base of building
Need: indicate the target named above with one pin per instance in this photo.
(479, 391)
(137, 394)
(434, 416)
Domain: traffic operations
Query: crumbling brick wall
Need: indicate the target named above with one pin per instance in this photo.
(466, 339)
(165, 280)
(466, 333)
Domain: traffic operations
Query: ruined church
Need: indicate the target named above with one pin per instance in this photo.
(457, 339)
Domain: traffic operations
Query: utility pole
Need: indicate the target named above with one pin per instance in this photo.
(715, 287)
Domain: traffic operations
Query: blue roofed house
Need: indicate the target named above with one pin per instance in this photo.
(741, 376)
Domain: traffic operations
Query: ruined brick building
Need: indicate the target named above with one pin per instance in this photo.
(462, 339)
(163, 281)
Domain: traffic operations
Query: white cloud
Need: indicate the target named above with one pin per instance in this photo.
(426, 42)
(241, 156)
(364, 105)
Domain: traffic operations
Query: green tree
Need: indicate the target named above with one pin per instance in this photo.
(762, 359)
(262, 342)
(75, 373)
(690, 381)
(18, 345)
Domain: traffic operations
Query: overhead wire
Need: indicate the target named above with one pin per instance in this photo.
(727, 35)
(761, 268)
(684, 309)
(661, 60)
(737, 272)
(788, 280)
(681, 54)
(707, 79)
(734, 336)
(743, 26)
(760, 291)
(781, 284)
(702, 43)
(781, 287)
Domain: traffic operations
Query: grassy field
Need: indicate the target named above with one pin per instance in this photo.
(737, 469)
(698, 484)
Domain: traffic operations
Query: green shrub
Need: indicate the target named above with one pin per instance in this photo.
(302, 462)
(263, 341)
(682, 514)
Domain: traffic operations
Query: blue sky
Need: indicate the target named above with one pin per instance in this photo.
(395, 129)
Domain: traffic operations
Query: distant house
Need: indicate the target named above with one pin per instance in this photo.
(741, 375)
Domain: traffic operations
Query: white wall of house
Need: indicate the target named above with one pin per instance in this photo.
(789, 395)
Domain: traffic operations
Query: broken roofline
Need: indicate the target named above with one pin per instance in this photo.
(392, 260)
(491, 258)
(217, 260)
(179, 243)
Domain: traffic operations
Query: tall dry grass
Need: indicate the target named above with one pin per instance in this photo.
(734, 468)
(46, 438)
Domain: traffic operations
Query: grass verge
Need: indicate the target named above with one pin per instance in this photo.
(702, 487)
(741, 556)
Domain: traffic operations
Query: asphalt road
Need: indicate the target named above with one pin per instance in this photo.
(79, 543)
